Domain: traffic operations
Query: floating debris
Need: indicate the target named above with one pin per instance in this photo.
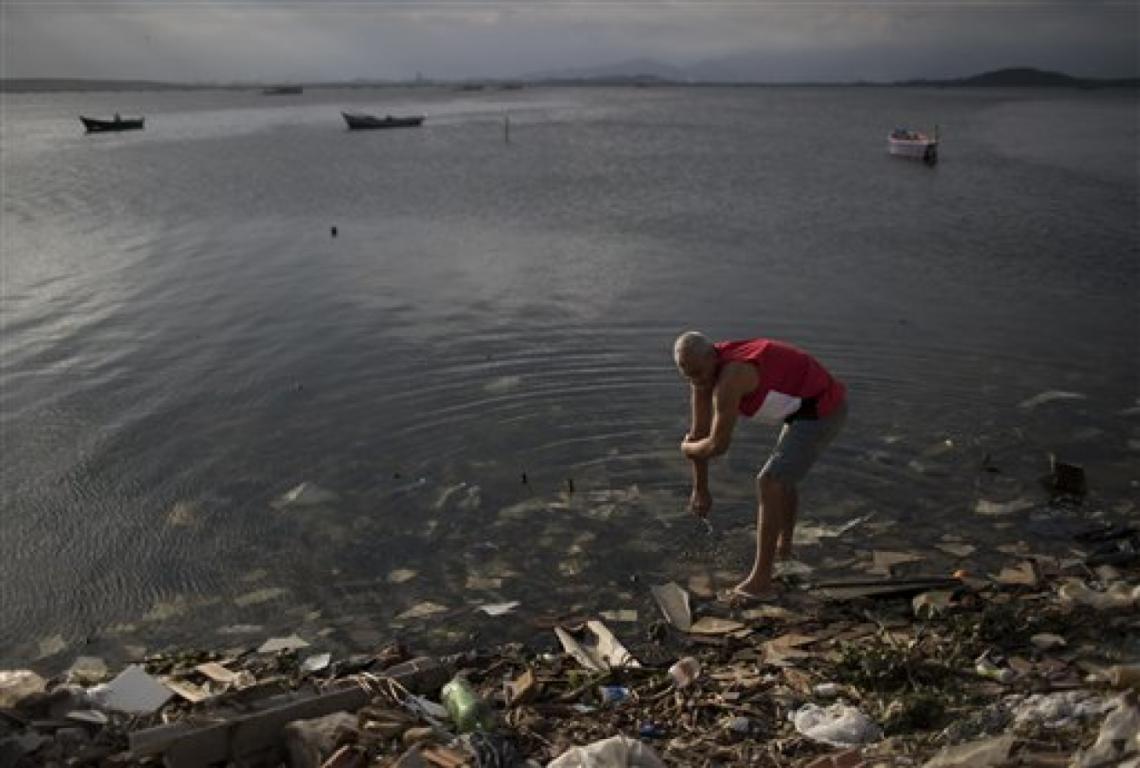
(305, 495)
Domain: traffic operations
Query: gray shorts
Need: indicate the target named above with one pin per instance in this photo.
(800, 444)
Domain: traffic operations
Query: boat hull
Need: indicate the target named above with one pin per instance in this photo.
(94, 125)
(368, 122)
(917, 149)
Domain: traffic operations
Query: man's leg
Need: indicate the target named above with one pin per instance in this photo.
(788, 524)
(797, 448)
(776, 500)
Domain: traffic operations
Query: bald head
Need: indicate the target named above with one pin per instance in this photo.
(692, 347)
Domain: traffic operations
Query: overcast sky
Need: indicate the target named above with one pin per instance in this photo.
(272, 40)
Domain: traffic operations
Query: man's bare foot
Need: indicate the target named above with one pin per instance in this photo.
(746, 592)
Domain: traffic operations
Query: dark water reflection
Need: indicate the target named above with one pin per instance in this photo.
(183, 343)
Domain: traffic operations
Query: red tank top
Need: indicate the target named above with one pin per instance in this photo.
(788, 378)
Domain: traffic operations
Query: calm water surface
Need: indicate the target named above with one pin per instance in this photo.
(183, 343)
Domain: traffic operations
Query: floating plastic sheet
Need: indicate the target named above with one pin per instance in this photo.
(674, 603)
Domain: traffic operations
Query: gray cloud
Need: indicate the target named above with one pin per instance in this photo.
(206, 40)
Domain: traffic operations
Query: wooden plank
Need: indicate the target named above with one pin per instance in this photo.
(245, 737)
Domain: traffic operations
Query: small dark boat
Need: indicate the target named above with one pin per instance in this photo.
(94, 125)
(361, 121)
(283, 90)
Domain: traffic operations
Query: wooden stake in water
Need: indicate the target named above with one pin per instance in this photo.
(506, 129)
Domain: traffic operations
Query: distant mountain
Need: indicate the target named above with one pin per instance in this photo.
(726, 71)
(1025, 77)
(646, 70)
(42, 84)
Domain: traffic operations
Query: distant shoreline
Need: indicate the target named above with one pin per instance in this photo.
(1005, 78)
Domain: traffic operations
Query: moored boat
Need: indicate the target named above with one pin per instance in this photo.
(905, 142)
(357, 120)
(95, 125)
(283, 90)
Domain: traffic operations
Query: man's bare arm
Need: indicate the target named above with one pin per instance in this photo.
(701, 402)
(731, 387)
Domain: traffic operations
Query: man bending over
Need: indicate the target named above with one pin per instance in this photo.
(778, 384)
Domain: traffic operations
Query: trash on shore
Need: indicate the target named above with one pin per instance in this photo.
(1035, 666)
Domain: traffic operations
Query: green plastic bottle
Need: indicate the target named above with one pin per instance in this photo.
(468, 712)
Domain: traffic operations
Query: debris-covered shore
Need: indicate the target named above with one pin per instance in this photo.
(1036, 665)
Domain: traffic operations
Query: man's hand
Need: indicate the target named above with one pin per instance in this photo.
(700, 503)
(693, 449)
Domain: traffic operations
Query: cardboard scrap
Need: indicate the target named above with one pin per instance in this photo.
(316, 662)
(769, 612)
(605, 652)
(810, 534)
(932, 603)
(187, 690)
(711, 625)
(883, 560)
(1023, 574)
(278, 644)
(621, 615)
(422, 611)
(701, 585)
(956, 549)
(785, 649)
(674, 603)
(217, 673)
(400, 575)
(1047, 641)
(785, 568)
(996, 509)
(483, 582)
(499, 609)
(973, 754)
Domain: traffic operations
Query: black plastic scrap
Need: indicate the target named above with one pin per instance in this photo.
(851, 589)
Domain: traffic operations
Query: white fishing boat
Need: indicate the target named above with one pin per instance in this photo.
(905, 142)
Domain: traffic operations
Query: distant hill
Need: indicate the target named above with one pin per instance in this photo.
(41, 84)
(634, 72)
(1025, 77)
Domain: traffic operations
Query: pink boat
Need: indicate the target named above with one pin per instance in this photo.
(907, 143)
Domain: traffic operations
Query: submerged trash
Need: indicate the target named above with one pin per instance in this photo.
(499, 609)
(1065, 478)
(674, 604)
(304, 495)
(1049, 397)
(279, 644)
(467, 711)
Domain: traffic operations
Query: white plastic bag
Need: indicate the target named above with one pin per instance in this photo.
(838, 725)
(614, 752)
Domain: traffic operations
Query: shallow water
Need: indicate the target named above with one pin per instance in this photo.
(183, 343)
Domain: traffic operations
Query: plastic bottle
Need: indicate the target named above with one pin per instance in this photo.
(467, 711)
(613, 694)
(685, 671)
